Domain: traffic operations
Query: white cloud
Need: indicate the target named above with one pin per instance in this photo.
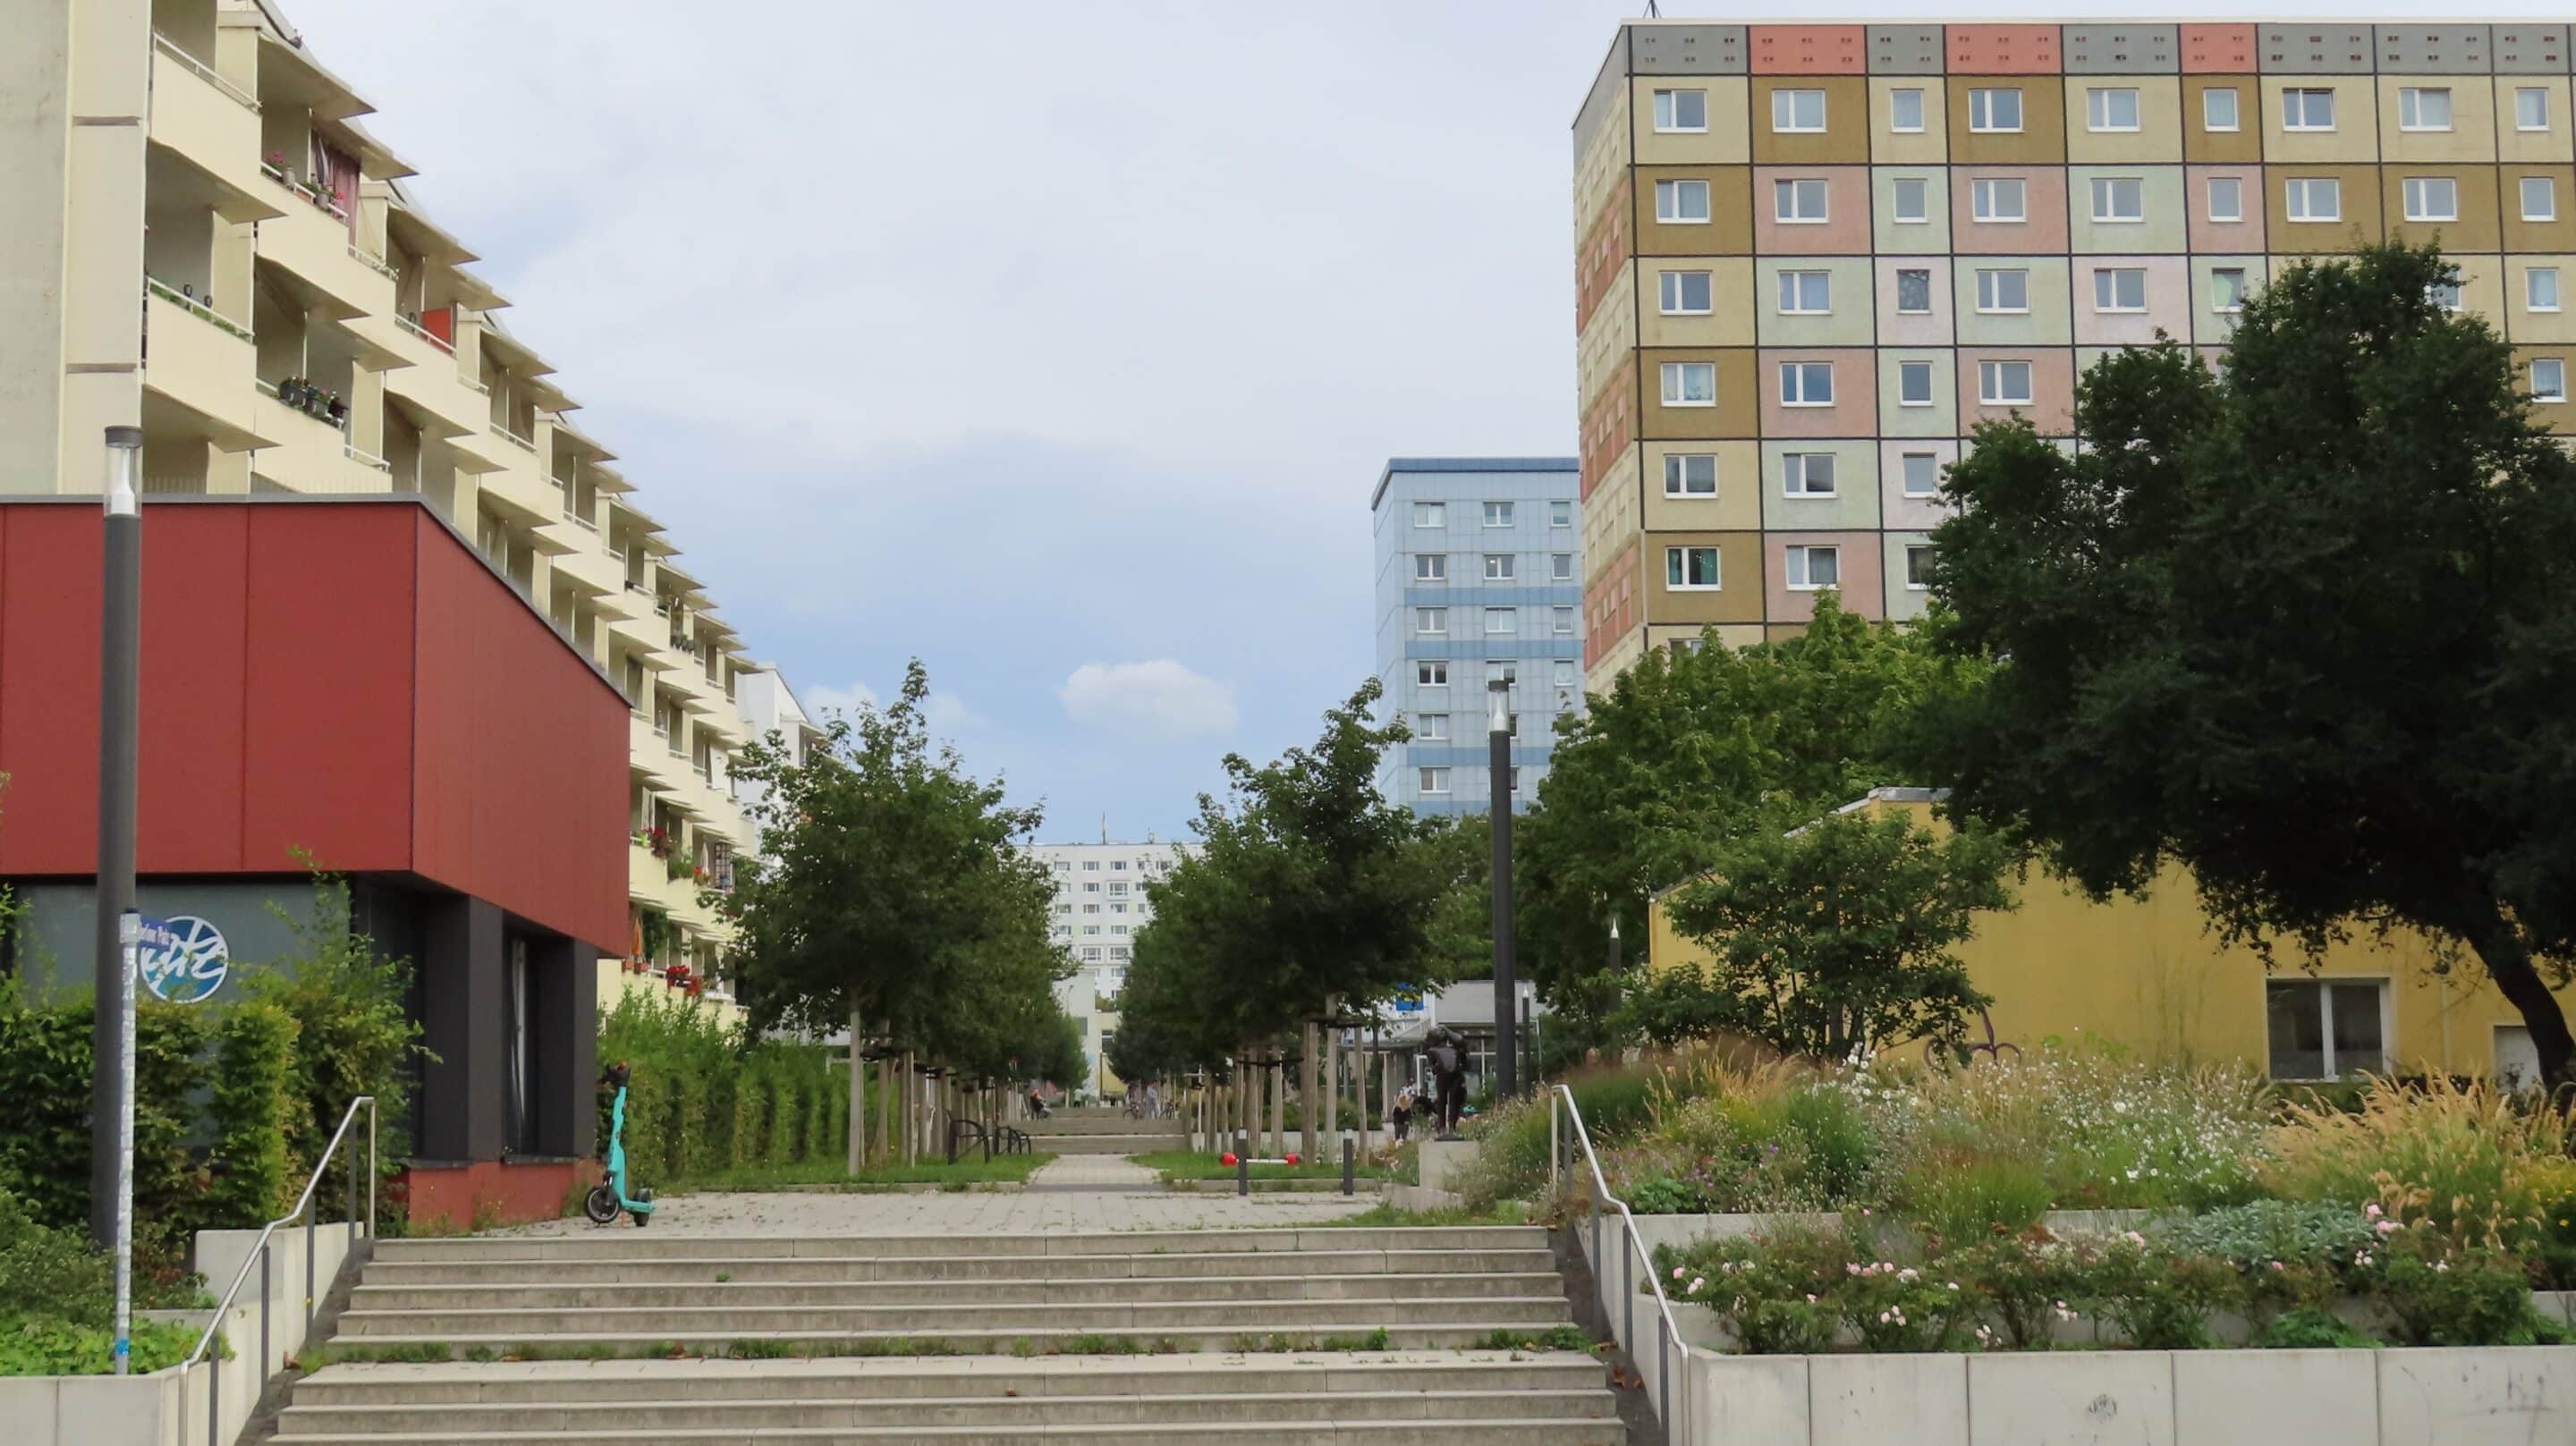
(822, 703)
(946, 713)
(1162, 698)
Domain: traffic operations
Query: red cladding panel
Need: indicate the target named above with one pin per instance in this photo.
(2223, 49)
(2002, 49)
(1810, 50)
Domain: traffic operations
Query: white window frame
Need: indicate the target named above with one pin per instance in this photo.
(1914, 573)
(2108, 279)
(1431, 622)
(1565, 674)
(2523, 95)
(1510, 618)
(1990, 377)
(1926, 308)
(2296, 106)
(2235, 110)
(2444, 294)
(1785, 105)
(1502, 567)
(1430, 514)
(2410, 107)
(1677, 388)
(1990, 289)
(1678, 482)
(2297, 193)
(2098, 106)
(2415, 195)
(2106, 192)
(1431, 567)
(1788, 210)
(2230, 306)
(2548, 192)
(1922, 187)
(1793, 293)
(1668, 112)
(1560, 514)
(1433, 781)
(1677, 561)
(1560, 567)
(1984, 191)
(2209, 198)
(1982, 105)
(1561, 621)
(1669, 210)
(1798, 475)
(1896, 110)
(1431, 727)
(2531, 289)
(1672, 292)
(1905, 473)
(1429, 673)
(1799, 566)
(1907, 369)
(2320, 988)
(2555, 390)
(1498, 514)
(1797, 383)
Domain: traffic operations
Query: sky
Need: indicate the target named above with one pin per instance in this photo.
(1058, 345)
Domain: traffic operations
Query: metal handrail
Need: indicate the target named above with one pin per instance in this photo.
(1672, 1354)
(260, 1256)
(169, 47)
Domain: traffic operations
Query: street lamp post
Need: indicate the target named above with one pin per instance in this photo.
(1498, 748)
(120, 669)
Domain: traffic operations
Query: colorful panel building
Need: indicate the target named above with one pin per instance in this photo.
(1811, 258)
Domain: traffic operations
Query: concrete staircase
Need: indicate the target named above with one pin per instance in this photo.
(1349, 1336)
(1099, 1131)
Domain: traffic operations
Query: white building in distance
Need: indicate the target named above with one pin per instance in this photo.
(1099, 908)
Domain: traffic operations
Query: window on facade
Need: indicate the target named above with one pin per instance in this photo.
(1806, 384)
(2227, 288)
(1910, 199)
(1431, 622)
(1914, 383)
(1430, 727)
(1681, 110)
(1502, 670)
(2003, 383)
(1690, 569)
(1994, 110)
(2218, 108)
(1681, 203)
(1685, 293)
(1432, 780)
(1560, 514)
(1914, 291)
(1498, 567)
(2539, 198)
(2530, 108)
(1690, 384)
(2431, 198)
(1922, 474)
(1918, 566)
(2314, 198)
(1431, 675)
(2540, 288)
(2444, 294)
(1690, 474)
(1798, 202)
(1430, 514)
(1797, 110)
(2120, 288)
(1501, 621)
(1565, 672)
(2111, 108)
(2119, 198)
(1997, 199)
(1905, 110)
(2423, 108)
(2003, 289)
(2226, 198)
(1430, 567)
(2307, 110)
(2548, 379)
(1813, 567)
(1498, 514)
(1561, 621)
(1807, 474)
(1806, 292)
(2326, 1028)
(1560, 567)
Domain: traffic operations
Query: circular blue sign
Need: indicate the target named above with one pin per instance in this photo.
(186, 961)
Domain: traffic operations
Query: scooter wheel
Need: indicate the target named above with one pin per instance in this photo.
(644, 1216)
(601, 1205)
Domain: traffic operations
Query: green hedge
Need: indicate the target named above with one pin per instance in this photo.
(254, 1108)
(701, 1100)
(45, 1075)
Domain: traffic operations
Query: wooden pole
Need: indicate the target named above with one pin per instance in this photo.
(1278, 1109)
(858, 1100)
(1332, 1088)
(1310, 1062)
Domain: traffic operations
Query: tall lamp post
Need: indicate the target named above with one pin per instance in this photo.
(120, 667)
(1498, 748)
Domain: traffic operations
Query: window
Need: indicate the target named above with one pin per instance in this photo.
(1502, 670)
(2314, 198)
(1560, 514)
(1430, 514)
(1798, 202)
(1681, 110)
(2111, 109)
(2227, 288)
(1905, 110)
(1565, 673)
(1432, 780)
(1914, 291)
(1911, 200)
(1797, 110)
(2307, 110)
(1807, 474)
(1499, 621)
(1806, 384)
(1430, 567)
(1516, 780)
(1914, 384)
(1922, 474)
(2120, 288)
(1690, 474)
(2003, 383)
(2539, 198)
(2540, 288)
(1561, 620)
(2226, 198)
(1690, 384)
(1560, 567)
(2005, 290)
(1997, 199)
(2548, 379)
(2119, 198)
(2424, 108)
(1430, 727)
(2325, 1028)
(1431, 675)
(1691, 569)
(1994, 110)
(1091, 866)
(2530, 108)
(1498, 514)
(1431, 622)
(1681, 203)
(1813, 567)
(2431, 198)
(1918, 566)
(1498, 567)
(1686, 293)
(2218, 108)
(1806, 293)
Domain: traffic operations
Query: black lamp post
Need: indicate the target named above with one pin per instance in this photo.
(119, 675)
(1498, 747)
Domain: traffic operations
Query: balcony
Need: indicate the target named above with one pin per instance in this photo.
(212, 124)
(312, 240)
(200, 361)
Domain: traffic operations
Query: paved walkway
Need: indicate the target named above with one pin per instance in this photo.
(1095, 1172)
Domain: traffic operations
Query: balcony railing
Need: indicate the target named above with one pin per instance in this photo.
(424, 333)
(368, 459)
(322, 201)
(310, 401)
(504, 429)
(378, 264)
(196, 308)
(163, 43)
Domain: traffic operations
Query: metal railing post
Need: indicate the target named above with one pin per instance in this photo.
(1628, 1280)
(309, 1212)
(1555, 1150)
(214, 1396)
(266, 1264)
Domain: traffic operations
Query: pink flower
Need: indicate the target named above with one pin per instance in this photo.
(2276, 1265)
(1811, 1298)
(2370, 1212)
(1697, 1282)
(2386, 1228)
(1677, 1272)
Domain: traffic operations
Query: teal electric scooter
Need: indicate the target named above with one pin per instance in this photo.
(608, 1198)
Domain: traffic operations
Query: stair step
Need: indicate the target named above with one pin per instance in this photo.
(1295, 1333)
(550, 1294)
(480, 1419)
(645, 1244)
(1544, 1432)
(1063, 1318)
(678, 1270)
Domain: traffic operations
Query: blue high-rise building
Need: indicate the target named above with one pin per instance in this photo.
(1479, 576)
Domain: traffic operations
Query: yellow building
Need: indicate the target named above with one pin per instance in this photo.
(2149, 974)
(204, 240)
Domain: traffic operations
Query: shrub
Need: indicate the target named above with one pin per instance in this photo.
(1904, 1308)
(2312, 1328)
(1770, 1148)
(1978, 1199)
(2025, 1282)
(2438, 1293)
(1775, 1291)
(2465, 1159)
(46, 1272)
(701, 1099)
(2159, 1301)
(254, 1109)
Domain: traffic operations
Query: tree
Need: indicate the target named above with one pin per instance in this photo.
(1835, 937)
(2306, 625)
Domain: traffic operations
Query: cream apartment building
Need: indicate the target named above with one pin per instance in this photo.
(202, 237)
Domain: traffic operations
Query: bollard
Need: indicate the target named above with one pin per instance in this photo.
(1349, 1159)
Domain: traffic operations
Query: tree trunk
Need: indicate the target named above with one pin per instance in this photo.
(885, 1106)
(858, 1099)
(2507, 958)
(1278, 1111)
(1310, 1062)
(1332, 1086)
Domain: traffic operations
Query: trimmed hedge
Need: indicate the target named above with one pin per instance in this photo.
(702, 1100)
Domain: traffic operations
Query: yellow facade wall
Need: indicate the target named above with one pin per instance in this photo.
(2149, 974)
